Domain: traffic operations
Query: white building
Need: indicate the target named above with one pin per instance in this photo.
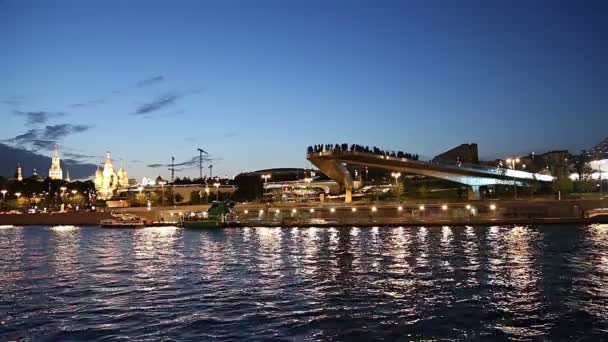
(55, 171)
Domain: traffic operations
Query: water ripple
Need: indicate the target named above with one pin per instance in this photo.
(304, 284)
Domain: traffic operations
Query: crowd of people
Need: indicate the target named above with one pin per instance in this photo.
(360, 148)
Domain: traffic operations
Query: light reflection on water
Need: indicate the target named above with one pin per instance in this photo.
(520, 283)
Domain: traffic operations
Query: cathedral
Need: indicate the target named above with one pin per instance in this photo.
(55, 170)
(108, 180)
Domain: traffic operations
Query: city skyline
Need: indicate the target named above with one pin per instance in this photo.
(254, 85)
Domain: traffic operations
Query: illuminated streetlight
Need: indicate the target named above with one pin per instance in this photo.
(468, 206)
(421, 208)
(444, 207)
(396, 175)
(333, 210)
(400, 208)
(3, 194)
(261, 211)
(354, 209)
(277, 211)
(294, 210)
(18, 194)
(246, 211)
(512, 162)
(266, 177)
(492, 207)
(312, 210)
(162, 193)
(374, 209)
(217, 190)
(74, 192)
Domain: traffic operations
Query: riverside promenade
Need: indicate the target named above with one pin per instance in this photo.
(489, 212)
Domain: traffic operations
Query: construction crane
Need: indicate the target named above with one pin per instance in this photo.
(200, 161)
(173, 169)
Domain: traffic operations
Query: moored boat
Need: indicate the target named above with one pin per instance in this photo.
(123, 221)
(220, 214)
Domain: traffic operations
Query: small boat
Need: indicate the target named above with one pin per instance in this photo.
(220, 214)
(123, 221)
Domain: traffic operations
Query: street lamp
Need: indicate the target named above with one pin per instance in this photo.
(266, 177)
(3, 194)
(512, 162)
(162, 193)
(74, 192)
(217, 190)
(307, 181)
(18, 194)
(396, 175)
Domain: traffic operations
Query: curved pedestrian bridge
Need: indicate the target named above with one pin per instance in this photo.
(474, 175)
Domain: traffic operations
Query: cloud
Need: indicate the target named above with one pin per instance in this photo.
(75, 155)
(47, 137)
(9, 156)
(13, 101)
(159, 103)
(26, 137)
(35, 118)
(150, 81)
(55, 132)
(192, 162)
(230, 135)
(40, 144)
(88, 103)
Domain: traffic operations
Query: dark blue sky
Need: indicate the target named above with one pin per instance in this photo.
(255, 82)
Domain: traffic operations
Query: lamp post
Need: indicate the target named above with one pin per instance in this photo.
(217, 190)
(162, 193)
(396, 175)
(3, 194)
(512, 162)
(63, 189)
(18, 194)
(207, 192)
(308, 181)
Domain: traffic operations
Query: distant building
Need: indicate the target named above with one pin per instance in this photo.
(55, 171)
(598, 160)
(18, 173)
(108, 180)
(465, 153)
(35, 176)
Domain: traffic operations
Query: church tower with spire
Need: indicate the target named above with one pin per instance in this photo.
(55, 170)
(19, 173)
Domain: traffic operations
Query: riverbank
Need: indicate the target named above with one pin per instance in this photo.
(357, 214)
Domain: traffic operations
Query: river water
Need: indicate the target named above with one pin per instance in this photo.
(349, 284)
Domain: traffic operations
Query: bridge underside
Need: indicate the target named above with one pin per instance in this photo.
(335, 169)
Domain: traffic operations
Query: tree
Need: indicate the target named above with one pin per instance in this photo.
(178, 198)
(581, 166)
(76, 200)
(563, 185)
(139, 200)
(195, 197)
